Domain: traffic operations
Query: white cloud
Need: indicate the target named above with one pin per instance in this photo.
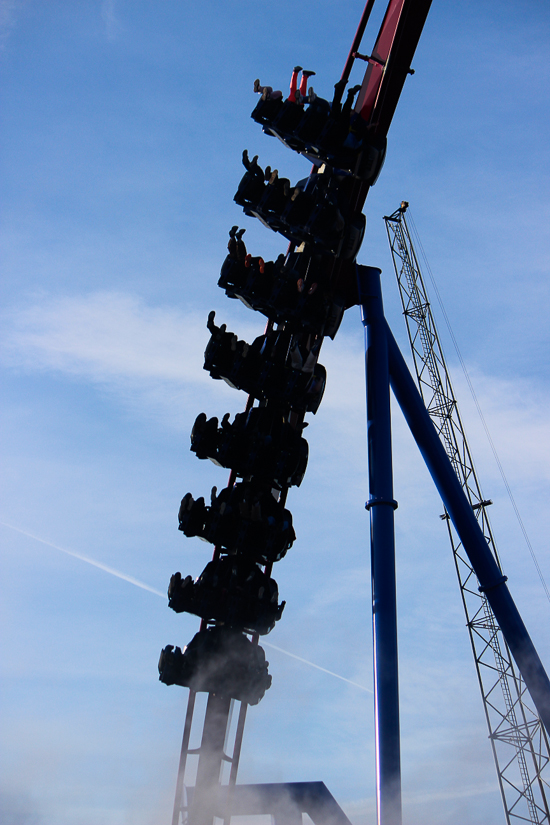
(105, 336)
(154, 355)
(516, 413)
(150, 358)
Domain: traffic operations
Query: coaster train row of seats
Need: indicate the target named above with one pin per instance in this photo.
(247, 522)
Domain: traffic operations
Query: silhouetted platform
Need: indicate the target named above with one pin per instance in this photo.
(285, 802)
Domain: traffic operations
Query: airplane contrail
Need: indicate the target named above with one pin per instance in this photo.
(87, 559)
(138, 583)
(312, 664)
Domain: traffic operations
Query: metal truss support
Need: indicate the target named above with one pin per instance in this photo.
(518, 738)
(179, 800)
(196, 805)
(216, 723)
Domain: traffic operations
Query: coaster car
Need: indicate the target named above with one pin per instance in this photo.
(325, 132)
(316, 211)
(218, 660)
(259, 443)
(244, 519)
(292, 290)
(262, 369)
(232, 590)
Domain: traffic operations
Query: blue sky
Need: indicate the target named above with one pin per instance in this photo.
(123, 126)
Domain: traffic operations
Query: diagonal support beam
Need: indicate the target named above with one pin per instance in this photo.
(492, 582)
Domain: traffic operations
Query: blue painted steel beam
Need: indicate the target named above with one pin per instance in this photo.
(490, 577)
(285, 801)
(381, 506)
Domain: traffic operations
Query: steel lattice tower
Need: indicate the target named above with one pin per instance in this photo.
(518, 738)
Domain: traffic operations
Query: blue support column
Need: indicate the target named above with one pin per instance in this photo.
(381, 506)
(490, 577)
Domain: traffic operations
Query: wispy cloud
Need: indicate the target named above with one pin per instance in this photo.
(106, 336)
(344, 586)
(455, 793)
(154, 354)
(149, 358)
(108, 16)
(363, 806)
(8, 9)
(516, 412)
